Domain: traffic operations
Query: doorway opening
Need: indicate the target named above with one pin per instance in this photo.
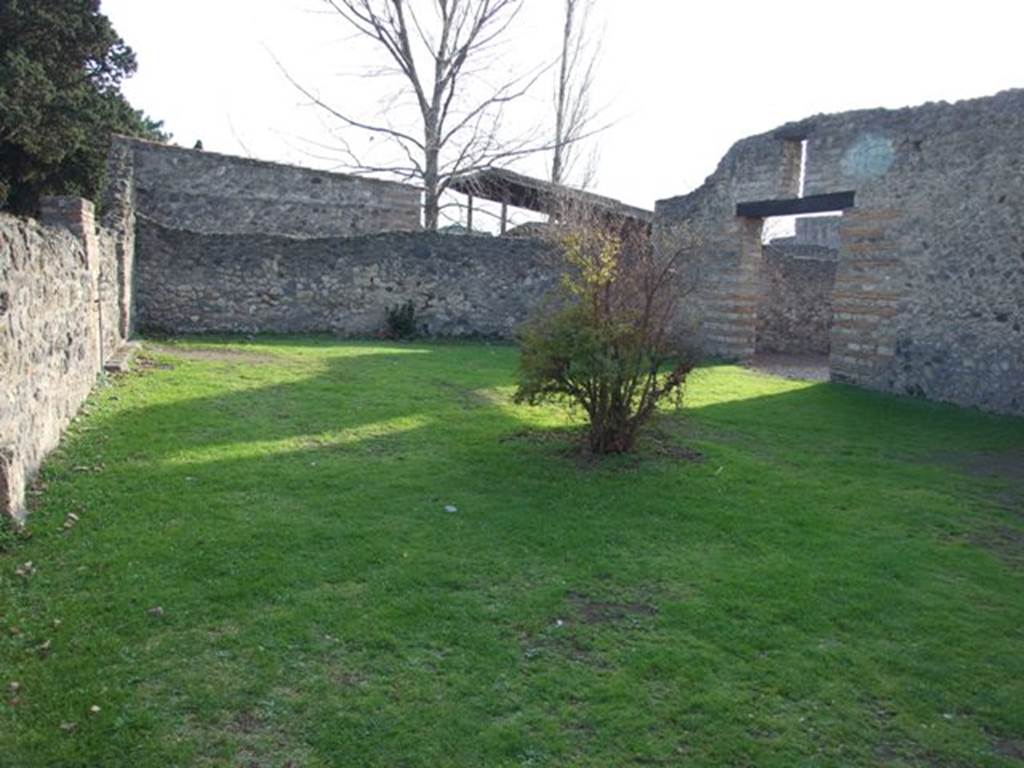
(799, 259)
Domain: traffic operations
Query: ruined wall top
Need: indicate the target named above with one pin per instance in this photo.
(858, 150)
(929, 297)
(209, 192)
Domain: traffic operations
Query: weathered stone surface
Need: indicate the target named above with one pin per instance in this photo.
(794, 311)
(814, 230)
(51, 342)
(461, 286)
(209, 192)
(929, 296)
(118, 233)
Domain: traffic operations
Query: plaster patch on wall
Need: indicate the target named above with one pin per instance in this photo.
(872, 155)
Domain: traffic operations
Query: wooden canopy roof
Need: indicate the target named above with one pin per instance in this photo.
(515, 189)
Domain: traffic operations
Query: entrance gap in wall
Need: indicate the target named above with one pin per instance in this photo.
(799, 255)
(799, 258)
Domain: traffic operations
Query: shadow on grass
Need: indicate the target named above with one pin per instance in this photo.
(295, 533)
(380, 402)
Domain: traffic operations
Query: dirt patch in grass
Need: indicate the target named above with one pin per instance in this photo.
(349, 679)
(469, 399)
(538, 436)
(797, 367)
(1011, 748)
(258, 744)
(599, 612)
(246, 723)
(561, 640)
(142, 364)
(1006, 468)
(1005, 542)
(998, 466)
(219, 354)
(661, 444)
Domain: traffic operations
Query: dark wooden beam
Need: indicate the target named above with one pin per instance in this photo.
(762, 209)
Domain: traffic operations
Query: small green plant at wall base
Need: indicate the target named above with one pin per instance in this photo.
(400, 321)
(11, 533)
(607, 345)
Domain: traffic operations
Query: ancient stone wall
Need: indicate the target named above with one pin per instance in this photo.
(814, 230)
(818, 230)
(794, 314)
(57, 284)
(929, 296)
(118, 230)
(470, 285)
(209, 192)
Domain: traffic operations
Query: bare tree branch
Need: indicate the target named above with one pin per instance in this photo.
(574, 112)
(446, 51)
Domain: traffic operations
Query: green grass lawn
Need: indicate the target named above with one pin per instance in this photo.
(263, 573)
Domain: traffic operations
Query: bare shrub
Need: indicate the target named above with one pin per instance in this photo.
(608, 342)
(400, 321)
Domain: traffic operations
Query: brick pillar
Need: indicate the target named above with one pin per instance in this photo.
(73, 213)
(730, 323)
(866, 298)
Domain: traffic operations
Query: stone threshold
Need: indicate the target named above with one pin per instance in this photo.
(120, 360)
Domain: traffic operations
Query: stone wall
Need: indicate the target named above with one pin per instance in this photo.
(472, 285)
(929, 296)
(57, 286)
(118, 230)
(819, 230)
(209, 192)
(814, 230)
(794, 314)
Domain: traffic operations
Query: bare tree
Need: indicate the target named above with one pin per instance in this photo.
(444, 52)
(574, 111)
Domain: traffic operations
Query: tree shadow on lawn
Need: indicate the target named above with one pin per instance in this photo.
(319, 397)
(368, 399)
(295, 533)
(426, 425)
(309, 459)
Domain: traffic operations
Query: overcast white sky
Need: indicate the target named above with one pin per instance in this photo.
(683, 79)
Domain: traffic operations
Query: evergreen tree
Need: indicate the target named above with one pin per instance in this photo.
(61, 68)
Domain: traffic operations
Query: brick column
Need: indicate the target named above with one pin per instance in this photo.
(73, 213)
(730, 323)
(866, 298)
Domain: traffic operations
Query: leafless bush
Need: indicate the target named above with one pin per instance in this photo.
(610, 343)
